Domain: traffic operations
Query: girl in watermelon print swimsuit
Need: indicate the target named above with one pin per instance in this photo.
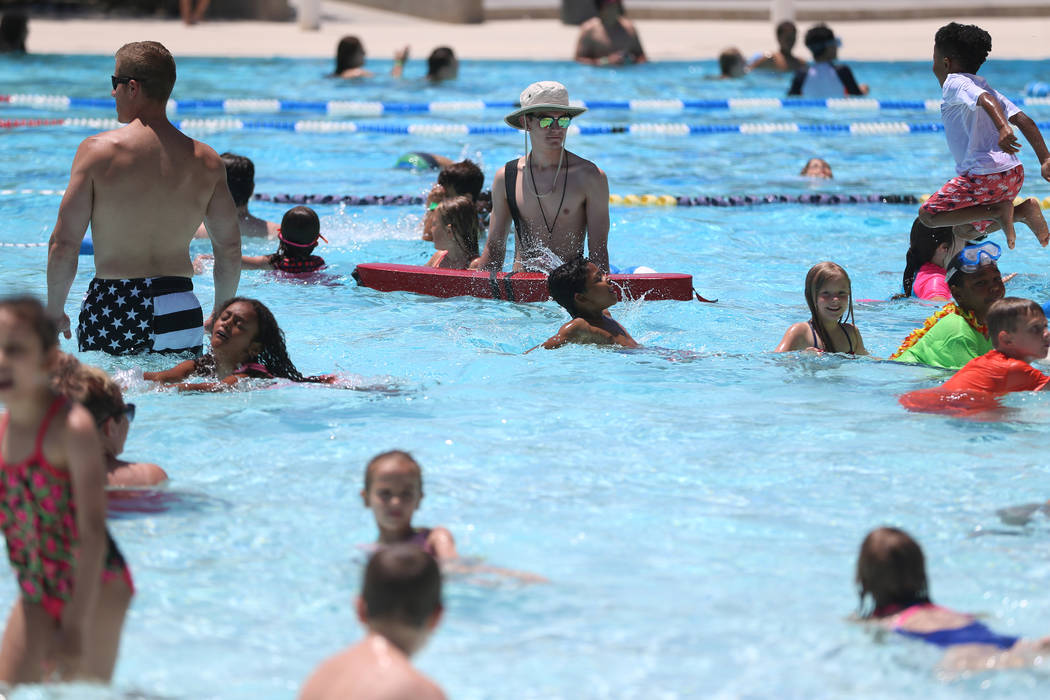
(74, 585)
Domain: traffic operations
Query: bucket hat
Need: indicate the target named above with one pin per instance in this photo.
(546, 95)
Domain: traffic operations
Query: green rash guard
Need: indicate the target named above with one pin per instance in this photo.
(951, 343)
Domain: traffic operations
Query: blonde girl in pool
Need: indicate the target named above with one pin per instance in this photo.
(830, 298)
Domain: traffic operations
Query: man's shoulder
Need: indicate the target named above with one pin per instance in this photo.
(583, 166)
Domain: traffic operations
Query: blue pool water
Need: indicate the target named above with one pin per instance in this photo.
(697, 506)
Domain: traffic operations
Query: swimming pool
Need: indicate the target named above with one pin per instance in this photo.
(697, 506)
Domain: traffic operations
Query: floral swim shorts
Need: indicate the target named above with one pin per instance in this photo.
(971, 190)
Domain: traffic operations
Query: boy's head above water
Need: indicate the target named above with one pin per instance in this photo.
(581, 288)
(965, 46)
(1017, 328)
(402, 584)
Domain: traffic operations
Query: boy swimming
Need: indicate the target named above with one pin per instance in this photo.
(583, 290)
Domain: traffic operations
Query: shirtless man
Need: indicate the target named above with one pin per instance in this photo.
(609, 38)
(400, 605)
(559, 199)
(143, 188)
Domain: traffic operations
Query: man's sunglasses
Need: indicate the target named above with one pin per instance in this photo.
(548, 122)
(128, 410)
(119, 80)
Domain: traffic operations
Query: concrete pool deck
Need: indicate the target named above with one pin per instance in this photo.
(383, 32)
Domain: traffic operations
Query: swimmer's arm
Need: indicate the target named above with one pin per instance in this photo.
(598, 220)
(499, 227)
(579, 330)
(87, 473)
(797, 337)
(399, 63)
(220, 218)
(224, 384)
(256, 262)
(1035, 138)
(1007, 139)
(74, 215)
(442, 544)
(170, 376)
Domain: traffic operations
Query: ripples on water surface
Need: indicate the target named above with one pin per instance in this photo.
(697, 505)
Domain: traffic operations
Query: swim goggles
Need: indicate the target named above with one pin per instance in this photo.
(970, 258)
(548, 122)
(284, 240)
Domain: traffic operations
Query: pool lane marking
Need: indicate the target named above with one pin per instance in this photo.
(373, 108)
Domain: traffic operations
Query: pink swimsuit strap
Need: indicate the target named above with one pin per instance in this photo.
(910, 611)
(38, 445)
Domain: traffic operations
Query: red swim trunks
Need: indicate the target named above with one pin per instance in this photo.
(970, 190)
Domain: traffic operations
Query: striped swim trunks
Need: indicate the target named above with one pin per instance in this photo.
(145, 314)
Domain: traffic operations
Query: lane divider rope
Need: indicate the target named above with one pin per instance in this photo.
(374, 108)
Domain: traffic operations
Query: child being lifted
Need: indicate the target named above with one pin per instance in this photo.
(982, 142)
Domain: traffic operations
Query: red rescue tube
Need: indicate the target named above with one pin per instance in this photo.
(510, 286)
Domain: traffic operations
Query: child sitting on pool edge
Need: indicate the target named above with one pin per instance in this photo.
(892, 570)
(582, 289)
(101, 396)
(829, 296)
(400, 605)
(246, 343)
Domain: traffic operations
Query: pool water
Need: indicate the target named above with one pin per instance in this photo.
(697, 505)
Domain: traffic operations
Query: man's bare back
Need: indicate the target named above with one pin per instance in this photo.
(143, 189)
(140, 228)
(372, 669)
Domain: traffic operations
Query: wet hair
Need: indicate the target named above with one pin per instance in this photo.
(465, 177)
(462, 215)
(274, 353)
(817, 39)
(819, 275)
(924, 242)
(151, 65)
(402, 583)
(1006, 313)
(240, 177)
(399, 454)
(14, 28)
(966, 43)
(731, 63)
(568, 280)
(784, 26)
(439, 59)
(350, 53)
(89, 386)
(892, 570)
(30, 311)
(813, 160)
(299, 225)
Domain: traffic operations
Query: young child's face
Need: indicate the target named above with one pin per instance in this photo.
(1030, 340)
(234, 333)
(599, 291)
(394, 493)
(832, 299)
(24, 366)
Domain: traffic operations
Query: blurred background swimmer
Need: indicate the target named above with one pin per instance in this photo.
(816, 168)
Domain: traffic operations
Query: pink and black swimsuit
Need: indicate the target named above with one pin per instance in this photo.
(38, 518)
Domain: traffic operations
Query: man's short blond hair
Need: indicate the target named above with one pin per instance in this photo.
(151, 65)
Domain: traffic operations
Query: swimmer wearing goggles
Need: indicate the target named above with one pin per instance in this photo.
(972, 257)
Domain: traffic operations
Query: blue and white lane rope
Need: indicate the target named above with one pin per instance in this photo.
(360, 108)
(642, 129)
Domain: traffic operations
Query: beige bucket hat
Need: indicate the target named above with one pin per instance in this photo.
(546, 95)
